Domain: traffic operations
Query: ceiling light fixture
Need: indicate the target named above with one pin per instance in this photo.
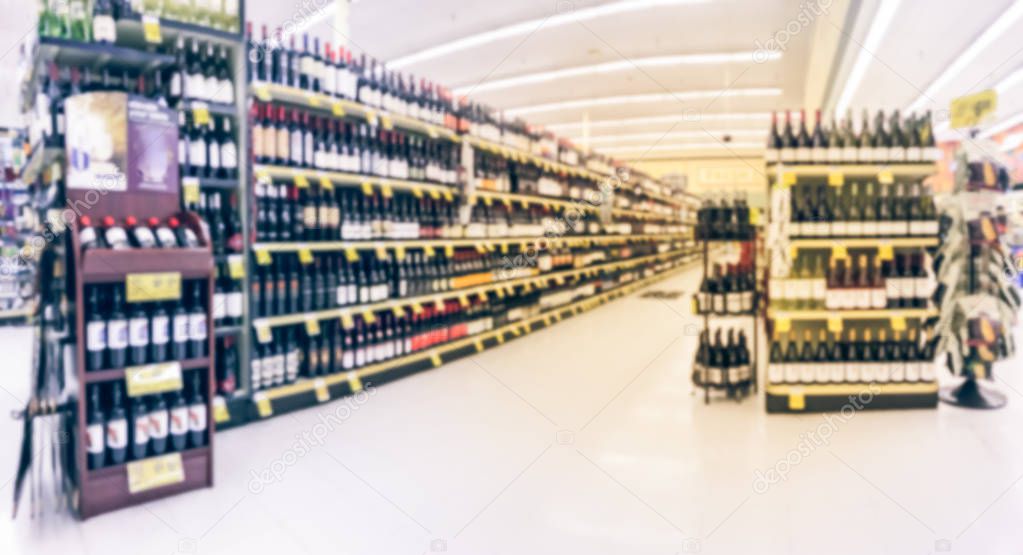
(527, 27)
(1004, 22)
(611, 67)
(693, 117)
(1004, 125)
(699, 134)
(641, 99)
(882, 19)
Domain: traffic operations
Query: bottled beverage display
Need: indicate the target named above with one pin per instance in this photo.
(723, 358)
(861, 354)
(730, 289)
(132, 233)
(888, 140)
(95, 20)
(727, 219)
(862, 209)
(122, 429)
(119, 333)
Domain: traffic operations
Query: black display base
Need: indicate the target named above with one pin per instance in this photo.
(972, 394)
(834, 398)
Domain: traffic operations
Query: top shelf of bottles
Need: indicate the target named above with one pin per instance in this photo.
(853, 170)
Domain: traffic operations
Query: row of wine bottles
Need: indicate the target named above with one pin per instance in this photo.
(219, 209)
(724, 218)
(290, 137)
(96, 20)
(135, 234)
(209, 150)
(870, 210)
(889, 140)
(723, 361)
(859, 282)
(148, 426)
(730, 289)
(119, 334)
(855, 356)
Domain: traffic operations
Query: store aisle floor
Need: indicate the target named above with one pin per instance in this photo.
(584, 438)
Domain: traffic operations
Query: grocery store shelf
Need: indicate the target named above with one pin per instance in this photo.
(262, 171)
(525, 200)
(522, 156)
(66, 52)
(864, 242)
(95, 376)
(303, 393)
(499, 287)
(489, 244)
(835, 397)
(272, 92)
(129, 29)
(16, 315)
(879, 314)
(854, 170)
(215, 108)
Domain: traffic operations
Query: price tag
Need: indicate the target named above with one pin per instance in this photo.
(499, 292)
(236, 266)
(839, 252)
(500, 337)
(488, 201)
(559, 279)
(516, 331)
(885, 252)
(369, 316)
(885, 177)
(449, 250)
(263, 406)
(347, 322)
(351, 254)
(220, 412)
(448, 196)
(322, 392)
(547, 320)
(507, 203)
(398, 311)
(971, 110)
(326, 184)
(782, 325)
(504, 248)
(151, 29)
(190, 190)
(367, 188)
(797, 400)
(525, 203)
(417, 308)
(386, 123)
(482, 296)
(434, 194)
(417, 191)
(556, 316)
(200, 113)
(481, 248)
(314, 100)
(527, 287)
(479, 345)
(836, 179)
(338, 109)
(788, 179)
(435, 359)
(153, 378)
(386, 191)
(263, 333)
(371, 117)
(262, 257)
(439, 305)
(754, 216)
(305, 256)
(262, 92)
(834, 324)
(381, 253)
(898, 323)
(354, 382)
(428, 251)
(399, 252)
(301, 181)
(263, 176)
(312, 327)
(155, 472)
(157, 286)
(432, 132)
(463, 300)
(528, 327)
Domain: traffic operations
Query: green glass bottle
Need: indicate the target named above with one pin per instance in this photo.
(79, 21)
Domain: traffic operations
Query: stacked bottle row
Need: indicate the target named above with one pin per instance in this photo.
(857, 355)
(228, 298)
(220, 212)
(299, 139)
(724, 219)
(865, 209)
(148, 426)
(888, 140)
(134, 234)
(723, 361)
(731, 289)
(207, 150)
(120, 334)
(96, 20)
(819, 281)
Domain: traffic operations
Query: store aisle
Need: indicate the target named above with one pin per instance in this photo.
(584, 438)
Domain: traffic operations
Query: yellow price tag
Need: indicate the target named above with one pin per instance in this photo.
(236, 266)
(326, 184)
(428, 251)
(262, 257)
(886, 177)
(504, 248)
(797, 400)
(351, 254)
(151, 29)
(190, 191)
(369, 316)
(432, 132)
(398, 312)
(200, 113)
(885, 252)
(157, 286)
(322, 392)
(347, 322)
(788, 179)
(516, 331)
(417, 308)
(434, 194)
(263, 333)
(834, 324)
(479, 345)
(439, 305)
(782, 325)
(263, 406)
(463, 300)
(417, 191)
(381, 253)
(312, 327)
(305, 256)
(839, 252)
(314, 100)
(524, 202)
(836, 179)
(754, 216)
(481, 248)
(898, 323)
(499, 292)
(559, 279)
(338, 110)
(507, 203)
(488, 201)
(301, 181)
(435, 359)
(386, 123)
(449, 251)
(220, 412)
(971, 110)
(262, 93)
(155, 472)
(482, 296)
(448, 196)
(367, 188)
(500, 337)
(371, 117)
(354, 382)
(153, 378)
(399, 252)
(386, 191)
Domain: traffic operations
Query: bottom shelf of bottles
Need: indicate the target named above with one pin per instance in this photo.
(849, 398)
(308, 391)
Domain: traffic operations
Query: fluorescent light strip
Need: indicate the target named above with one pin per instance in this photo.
(527, 27)
(694, 117)
(611, 139)
(1004, 125)
(611, 67)
(1004, 22)
(882, 20)
(1012, 142)
(685, 146)
(642, 99)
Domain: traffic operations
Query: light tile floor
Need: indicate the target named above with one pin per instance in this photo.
(584, 438)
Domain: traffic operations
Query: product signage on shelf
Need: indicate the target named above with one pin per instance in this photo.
(972, 110)
(153, 378)
(156, 286)
(155, 472)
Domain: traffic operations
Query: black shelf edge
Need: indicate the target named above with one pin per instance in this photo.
(111, 374)
(95, 54)
(216, 182)
(215, 108)
(132, 24)
(222, 331)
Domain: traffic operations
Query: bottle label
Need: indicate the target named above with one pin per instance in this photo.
(291, 363)
(913, 154)
(897, 154)
(882, 372)
(197, 326)
(197, 153)
(138, 332)
(214, 161)
(141, 429)
(256, 370)
(792, 372)
(834, 154)
(178, 424)
(96, 336)
(219, 306)
(160, 330)
(235, 302)
(822, 372)
(103, 28)
(837, 371)
(87, 236)
(927, 372)
(158, 424)
(94, 439)
(850, 154)
(117, 433)
(282, 143)
(197, 417)
(116, 237)
(117, 334)
(180, 328)
(776, 372)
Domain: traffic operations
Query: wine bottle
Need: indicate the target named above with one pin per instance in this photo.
(116, 428)
(819, 142)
